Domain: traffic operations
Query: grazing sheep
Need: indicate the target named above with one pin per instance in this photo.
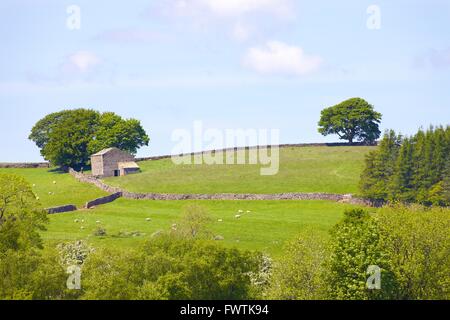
(240, 211)
(219, 238)
(82, 221)
(82, 228)
(37, 198)
(54, 182)
(76, 221)
(248, 211)
(148, 219)
(220, 220)
(34, 185)
(238, 216)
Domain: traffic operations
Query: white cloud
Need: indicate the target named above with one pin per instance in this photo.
(241, 32)
(279, 58)
(239, 7)
(81, 62)
(130, 36)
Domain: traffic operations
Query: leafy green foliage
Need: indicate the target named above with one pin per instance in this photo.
(69, 137)
(170, 268)
(299, 274)
(21, 217)
(25, 271)
(353, 119)
(355, 246)
(193, 223)
(416, 241)
(410, 169)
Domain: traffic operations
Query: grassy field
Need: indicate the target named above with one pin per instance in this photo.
(302, 169)
(66, 190)
(266, 228)
(269, 225)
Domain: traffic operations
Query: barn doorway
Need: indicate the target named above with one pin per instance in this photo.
(116, 173)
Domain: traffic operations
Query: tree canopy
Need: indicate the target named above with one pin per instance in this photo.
(410, 169)
(353, 119)
(68, 138)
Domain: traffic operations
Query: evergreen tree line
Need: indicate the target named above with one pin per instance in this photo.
(410, 169)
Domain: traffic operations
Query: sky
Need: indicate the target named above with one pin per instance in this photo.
(232, 64)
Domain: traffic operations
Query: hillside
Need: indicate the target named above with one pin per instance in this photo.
(65, 190)
(302, 169)
(266, 227)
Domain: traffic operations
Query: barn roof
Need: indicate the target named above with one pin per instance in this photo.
(104, 151)
(128, 165)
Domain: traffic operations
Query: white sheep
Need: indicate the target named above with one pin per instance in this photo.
(148, 219)
(54, 182)
(238, 216)
(220, 220)
(240, 211)
(98, 221)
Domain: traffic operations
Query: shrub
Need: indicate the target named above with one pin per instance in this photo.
(172, 268)
(299, 274)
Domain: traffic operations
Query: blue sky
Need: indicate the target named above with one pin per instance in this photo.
(230, 63)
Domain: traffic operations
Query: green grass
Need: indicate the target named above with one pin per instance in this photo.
(266, 228)
(302, 169)
(67, 190)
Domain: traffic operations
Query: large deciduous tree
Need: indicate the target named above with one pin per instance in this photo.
(68, 138)
(353, 119)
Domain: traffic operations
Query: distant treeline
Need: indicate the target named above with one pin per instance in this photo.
(410, 169)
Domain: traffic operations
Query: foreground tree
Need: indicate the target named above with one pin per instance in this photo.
(69, 137)
(27, 271)
(353, 119)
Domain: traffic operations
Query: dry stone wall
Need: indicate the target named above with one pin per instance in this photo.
(103, 200)
(221, 196)
(61, 209)
(298, 145)
(25, 165)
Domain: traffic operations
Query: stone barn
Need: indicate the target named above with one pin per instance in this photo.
(113, 162)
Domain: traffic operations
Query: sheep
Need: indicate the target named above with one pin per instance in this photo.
(148, 219)
(238, 216)
(54, 182)
(220, 220)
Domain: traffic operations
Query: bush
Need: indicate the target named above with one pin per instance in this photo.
(299, 274)
(417, 242)
(170, 268)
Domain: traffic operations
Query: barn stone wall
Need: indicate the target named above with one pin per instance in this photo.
(97, 165)
(111, 161)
